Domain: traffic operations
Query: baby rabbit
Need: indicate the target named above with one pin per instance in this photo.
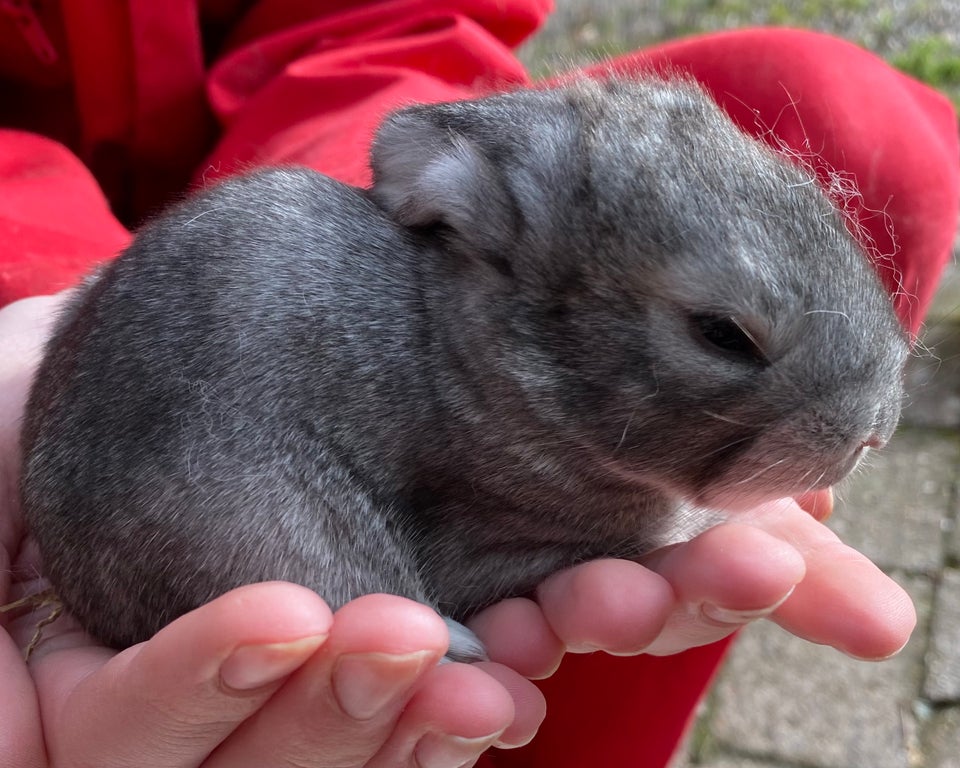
(563, 324)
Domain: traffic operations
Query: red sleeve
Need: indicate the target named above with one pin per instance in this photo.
(54, 221)
(298, 83)
(313, 92)
(616, 712)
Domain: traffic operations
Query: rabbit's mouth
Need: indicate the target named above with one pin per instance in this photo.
(747, 487)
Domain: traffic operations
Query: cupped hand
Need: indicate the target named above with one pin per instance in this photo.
(777, 561)
(268, 674)
(263, 675)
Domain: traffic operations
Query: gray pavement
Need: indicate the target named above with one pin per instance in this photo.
(781, 702)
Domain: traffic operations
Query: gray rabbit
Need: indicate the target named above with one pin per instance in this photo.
(562, 325)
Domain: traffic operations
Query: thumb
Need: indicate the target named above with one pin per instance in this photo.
(170, 701)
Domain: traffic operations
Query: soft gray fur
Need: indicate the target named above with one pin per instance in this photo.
(514, 354)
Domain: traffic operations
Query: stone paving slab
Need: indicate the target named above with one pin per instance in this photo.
(953, 531)
(943, 658)
(736, 762)
(739, 762)
(943, 739)
(583, 31)
(933, 378)
(895, 510)
(784, 699)
(946, 304)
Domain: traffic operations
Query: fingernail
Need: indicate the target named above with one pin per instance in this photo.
(723, 615)
(365, 683)
(583, 647)
(437, 750)
(878, 658)
(253, 666)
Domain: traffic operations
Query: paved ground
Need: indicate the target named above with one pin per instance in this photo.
(781, 702)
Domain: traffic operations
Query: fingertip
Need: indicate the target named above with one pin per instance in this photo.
(268, 612)
(736, 568)
(251, 667)
(247, 639)
(529, 705)
(614, 605)
(516, 634)
(381, 623)
(483, 701)
(818, 504)
(21, 735)
(265, 615)
(897, 620)
(847, 602)
(441, 750)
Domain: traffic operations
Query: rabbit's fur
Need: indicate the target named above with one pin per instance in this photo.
(562, 325)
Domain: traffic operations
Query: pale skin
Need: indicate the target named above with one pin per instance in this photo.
(269, 675)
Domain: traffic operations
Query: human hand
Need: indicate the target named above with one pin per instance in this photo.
(777, 561)
(263, 675)
(170, 702)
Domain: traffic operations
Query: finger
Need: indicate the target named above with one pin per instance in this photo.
(169, 702)
(869, 617)
(529, 705)
(517, 635)
(341, 707)
(21, 737)
(844, 601)
(724, 578)
(24, 325)
(460, 711)
(819, 504)
(613, 605)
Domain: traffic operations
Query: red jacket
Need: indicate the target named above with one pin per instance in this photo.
(145, 98)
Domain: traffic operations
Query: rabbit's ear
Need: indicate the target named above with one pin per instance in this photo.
(427, 174)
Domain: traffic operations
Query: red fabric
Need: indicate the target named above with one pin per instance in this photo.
(616, 712)
(313, 94)
(125, 86)
(54, 221)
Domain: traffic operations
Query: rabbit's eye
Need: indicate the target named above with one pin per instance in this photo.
(727, 334)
